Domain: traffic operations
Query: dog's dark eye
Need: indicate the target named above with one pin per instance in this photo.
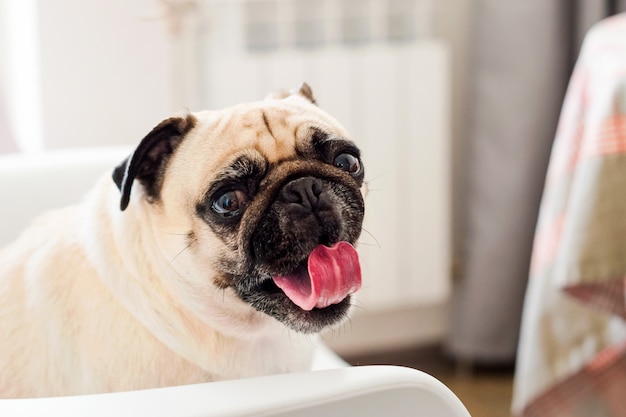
(230, 203)
(348, 163)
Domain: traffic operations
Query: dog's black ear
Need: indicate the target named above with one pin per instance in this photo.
(147, 163)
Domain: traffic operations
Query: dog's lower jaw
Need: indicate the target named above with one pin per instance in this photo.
(270, 300)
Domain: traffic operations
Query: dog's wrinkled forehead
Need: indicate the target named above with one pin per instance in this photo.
(274, 129)
(271, 132)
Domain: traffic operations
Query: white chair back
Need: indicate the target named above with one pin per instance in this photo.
(31, 184)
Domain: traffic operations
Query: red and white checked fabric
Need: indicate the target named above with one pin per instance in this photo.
(572, 351)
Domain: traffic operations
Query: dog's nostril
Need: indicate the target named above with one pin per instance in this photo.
(316, 188)
(303, 191)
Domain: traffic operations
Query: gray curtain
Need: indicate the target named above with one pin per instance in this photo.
(523, 52)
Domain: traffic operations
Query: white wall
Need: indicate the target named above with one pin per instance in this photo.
(3, 48)
(104, 71)
(20, 75)
(7, 143)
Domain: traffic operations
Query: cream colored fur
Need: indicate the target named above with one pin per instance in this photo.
(93, 299)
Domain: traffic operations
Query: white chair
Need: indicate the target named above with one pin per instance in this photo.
(32, 184)
(368, 391)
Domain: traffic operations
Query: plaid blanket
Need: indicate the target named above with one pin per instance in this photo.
(572, 351)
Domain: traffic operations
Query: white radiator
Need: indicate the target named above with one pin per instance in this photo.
(391, 92)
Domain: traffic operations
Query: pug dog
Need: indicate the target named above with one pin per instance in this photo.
(214, 252)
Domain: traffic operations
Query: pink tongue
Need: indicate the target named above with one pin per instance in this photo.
(333, 274)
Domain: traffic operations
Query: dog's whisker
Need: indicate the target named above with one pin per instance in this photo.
(372, 236)
(343, 329)
(376, 177)
(166, 232)
(368, 244)
(187, 246)
(349, 324)
(359, 307)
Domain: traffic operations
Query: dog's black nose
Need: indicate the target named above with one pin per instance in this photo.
(306, 194)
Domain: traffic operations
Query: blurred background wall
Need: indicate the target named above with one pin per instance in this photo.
(77, 73)
(413, 81)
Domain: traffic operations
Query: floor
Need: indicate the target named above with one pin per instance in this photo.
(485, 391)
